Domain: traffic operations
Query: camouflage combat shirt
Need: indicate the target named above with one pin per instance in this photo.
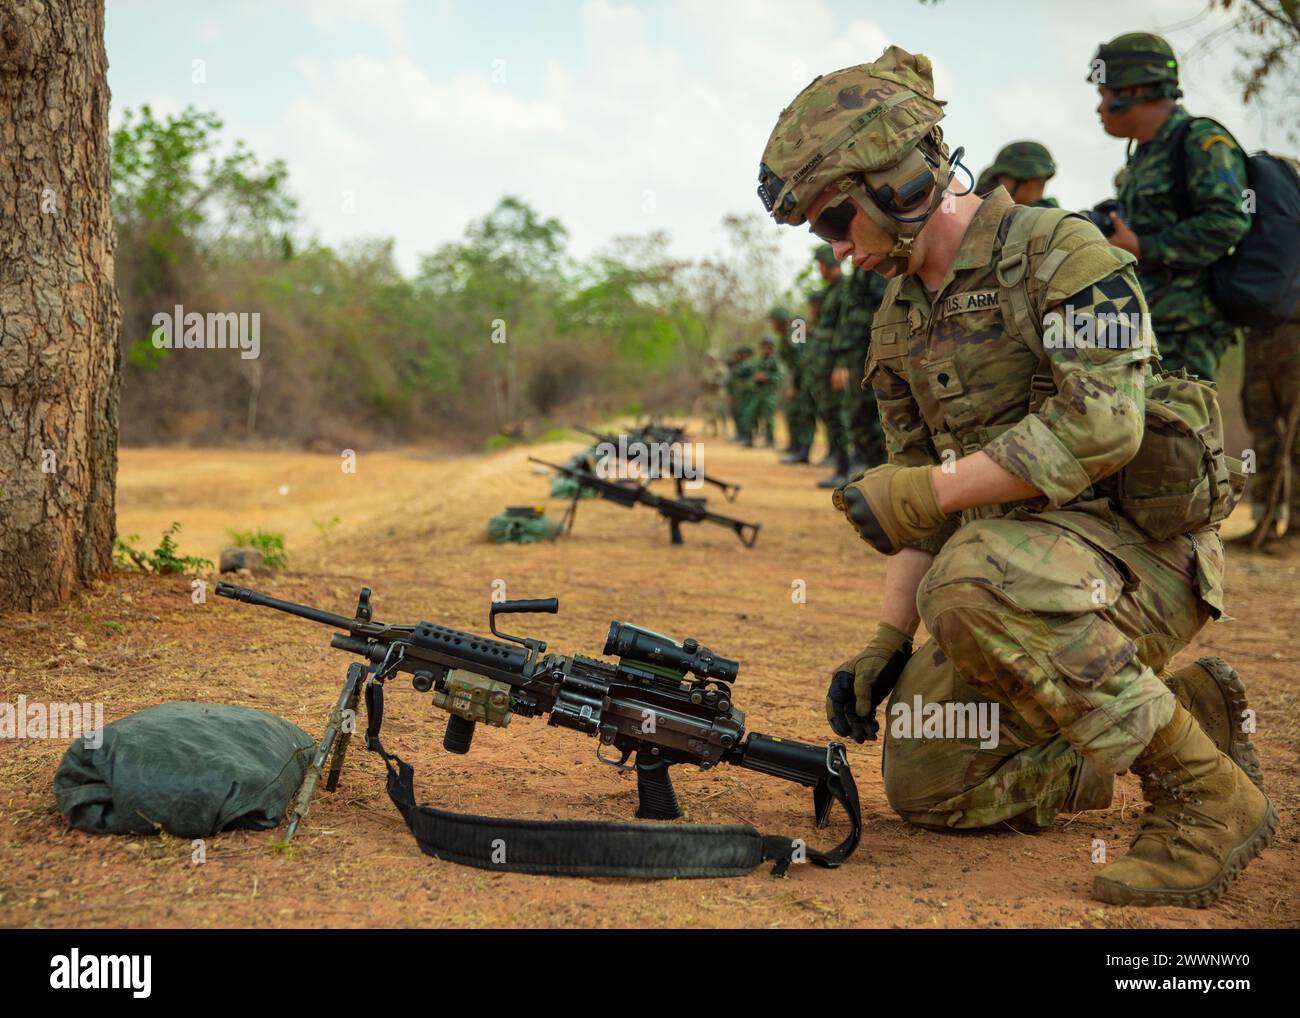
(950, 380)
(862, 297)
(1179, 242)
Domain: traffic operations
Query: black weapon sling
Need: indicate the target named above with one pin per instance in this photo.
(589, 848)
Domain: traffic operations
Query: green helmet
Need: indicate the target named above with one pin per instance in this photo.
(779, 314)
(767, 339)
(1136, 58)
(1021, 160)
(826, 255)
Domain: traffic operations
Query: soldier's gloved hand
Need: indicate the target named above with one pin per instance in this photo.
(860, 684)
(891, 507)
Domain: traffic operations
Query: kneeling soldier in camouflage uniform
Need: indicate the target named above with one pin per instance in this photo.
(1001, 509)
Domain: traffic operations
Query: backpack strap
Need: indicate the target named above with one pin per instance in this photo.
(1182, 196)
(1027, 233)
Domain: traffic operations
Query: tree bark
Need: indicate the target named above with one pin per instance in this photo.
(59, 315)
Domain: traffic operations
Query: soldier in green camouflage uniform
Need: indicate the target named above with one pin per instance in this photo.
(745, 395)
(768, 375)
(1023, 168)
(852, 343)
(998, 506)
(1176, 225)
(822, 355)
(797, 404)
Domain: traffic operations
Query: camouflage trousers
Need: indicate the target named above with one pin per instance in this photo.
(800, 410)
(765, 413)
(1197, 350)
(1269, 388)
(865, 432)
(746, 412)
(1062, 620)
(830, 403)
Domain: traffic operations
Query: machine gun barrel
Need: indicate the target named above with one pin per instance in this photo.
(266, 601)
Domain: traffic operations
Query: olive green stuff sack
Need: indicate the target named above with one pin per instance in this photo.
(193, 769)
(507, 529)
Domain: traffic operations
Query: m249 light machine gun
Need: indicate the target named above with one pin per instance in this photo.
(628, 494)
(661, 702)
(662, 435)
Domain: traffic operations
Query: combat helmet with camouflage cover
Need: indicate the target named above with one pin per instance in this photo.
(1135, 58)
(872, 131)
(1021, 160)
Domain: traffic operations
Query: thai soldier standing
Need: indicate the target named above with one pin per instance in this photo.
(999, 507)
(1023, 168)
(768, 375)
(852, 343)
(745, 397)
(1182, 193)
(822, 356)
(798, 405)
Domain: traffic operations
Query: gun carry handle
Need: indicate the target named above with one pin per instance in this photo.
(656, 799)
(547, 605)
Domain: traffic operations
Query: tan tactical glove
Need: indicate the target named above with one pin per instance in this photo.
(860, 684)
(891, 507)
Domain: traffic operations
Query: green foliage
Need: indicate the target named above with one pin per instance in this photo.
(271, 545)
(560, 435)
(498, 332)
(496, 442)
(163, 559)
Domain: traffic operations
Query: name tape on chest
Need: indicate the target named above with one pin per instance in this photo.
(975, 300)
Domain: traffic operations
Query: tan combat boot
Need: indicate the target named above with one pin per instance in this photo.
(1205, 822)
(1214, 695)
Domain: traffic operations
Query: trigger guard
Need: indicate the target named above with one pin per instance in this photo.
(619, 764)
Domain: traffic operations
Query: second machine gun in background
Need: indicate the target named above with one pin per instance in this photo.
(628, 494)
(666, 436)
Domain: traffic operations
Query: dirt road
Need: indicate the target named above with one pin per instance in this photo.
(411, 527)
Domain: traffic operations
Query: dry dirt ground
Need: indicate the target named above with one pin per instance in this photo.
(411, 527)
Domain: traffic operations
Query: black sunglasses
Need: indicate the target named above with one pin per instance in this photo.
(832, 223)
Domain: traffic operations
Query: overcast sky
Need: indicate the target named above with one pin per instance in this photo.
(407, 119)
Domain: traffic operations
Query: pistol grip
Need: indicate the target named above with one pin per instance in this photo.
(654, 789)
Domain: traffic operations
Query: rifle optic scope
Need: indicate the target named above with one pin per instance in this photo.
(626, 641)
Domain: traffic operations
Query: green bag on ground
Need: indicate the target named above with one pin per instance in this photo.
(193, 768)
(522, 525)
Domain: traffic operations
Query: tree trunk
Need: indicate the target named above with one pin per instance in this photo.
(59, 315)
